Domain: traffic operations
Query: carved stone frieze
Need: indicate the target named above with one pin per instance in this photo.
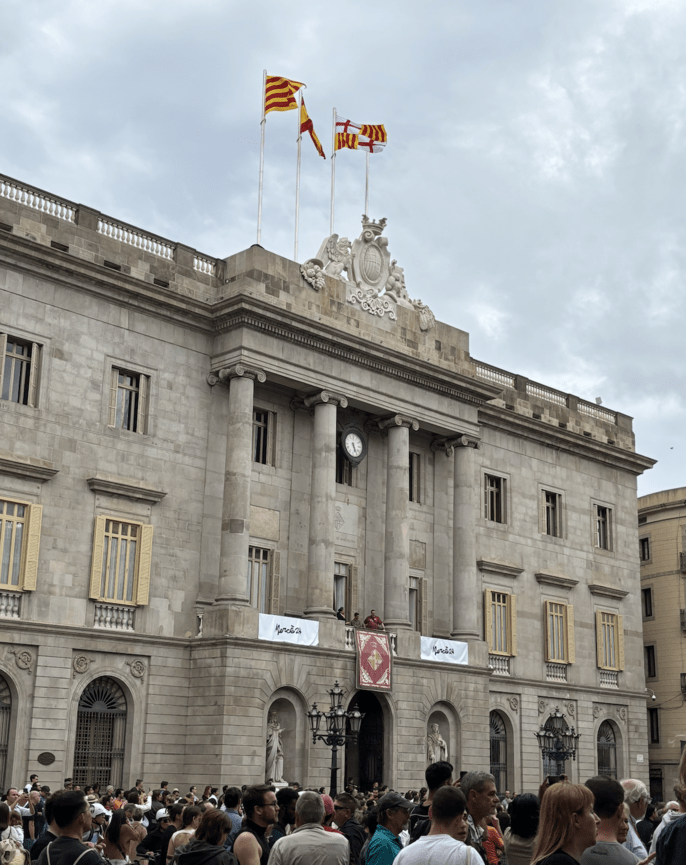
(621, 713)
(597, 711)
(313, 273)
(542, 705)
(370, 302)
(80, 664)
(571, 709)
(514, 703)
(137, 668)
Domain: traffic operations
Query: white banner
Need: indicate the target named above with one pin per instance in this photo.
(285, 629)
(446, 651)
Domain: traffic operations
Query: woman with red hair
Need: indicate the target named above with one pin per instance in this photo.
(567, 825)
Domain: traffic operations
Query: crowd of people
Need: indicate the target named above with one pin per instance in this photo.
(450, 821)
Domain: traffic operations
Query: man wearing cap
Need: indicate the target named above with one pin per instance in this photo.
(394, 812)
(99, 820)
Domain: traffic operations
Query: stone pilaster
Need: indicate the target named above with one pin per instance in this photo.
(465, 589)
(397, 536)
(235, 533)
(322, 505)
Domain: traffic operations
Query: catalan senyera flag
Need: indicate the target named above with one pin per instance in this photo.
(279, 94)
(357, 136)
(306, 125)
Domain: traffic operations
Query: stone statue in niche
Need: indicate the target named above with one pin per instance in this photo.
(437, 748)
(274, 763)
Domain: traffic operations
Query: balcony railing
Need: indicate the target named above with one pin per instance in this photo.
(500, 664)
(113, 617)
(609, 679)
(350, 640)
(10, 605)
(556, 672)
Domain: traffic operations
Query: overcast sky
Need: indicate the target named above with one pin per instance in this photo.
(533, 179)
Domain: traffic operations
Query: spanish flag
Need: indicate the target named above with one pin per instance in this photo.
(279, 94)
(306, 125)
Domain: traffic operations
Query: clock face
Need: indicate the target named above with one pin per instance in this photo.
(353, 444)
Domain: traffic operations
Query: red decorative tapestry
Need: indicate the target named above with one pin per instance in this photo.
(373, 660)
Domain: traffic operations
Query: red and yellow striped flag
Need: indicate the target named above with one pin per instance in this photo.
(306, 125)
(374, 133)
(346, 139)
(279, 94)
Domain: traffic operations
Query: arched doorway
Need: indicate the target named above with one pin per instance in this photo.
(5, 718)
(364, 761)
(498, 740)
(100, 734)
(607, 750)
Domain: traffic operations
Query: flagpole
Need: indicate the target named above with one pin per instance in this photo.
(366, 188)
(333, 166)
(297, 179)
(262, 128)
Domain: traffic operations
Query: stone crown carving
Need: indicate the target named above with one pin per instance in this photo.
(374, 281)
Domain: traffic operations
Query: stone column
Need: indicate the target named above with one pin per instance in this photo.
(235, 535)
(465, 584)
(397, 544)
(322, 505)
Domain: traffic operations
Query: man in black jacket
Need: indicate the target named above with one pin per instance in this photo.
(344, 815)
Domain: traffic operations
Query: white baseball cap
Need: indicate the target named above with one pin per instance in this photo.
(97, 810)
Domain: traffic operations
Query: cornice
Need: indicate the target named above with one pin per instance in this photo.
(251, 313)
(607, 591)
(550, 579)
(129, 489)
(499, 568)
(26, 467)
(504, 420)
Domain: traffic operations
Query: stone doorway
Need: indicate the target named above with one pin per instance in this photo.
(364, 761)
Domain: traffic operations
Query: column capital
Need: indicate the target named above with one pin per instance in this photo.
(449, 444)
(324, 397)
(236, 370)
(395, 420)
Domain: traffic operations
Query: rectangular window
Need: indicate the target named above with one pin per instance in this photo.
(654, 726)
(651, 667)
(129, 401)
(560, 645)
(602, 518)
(644, 549)
(263, 424)
(647, 596)
(344, 469)
(19, 538)
(415, 478)
(258, 577)
(552, 505)
(120, 569)
(609, 641)
(501, 622)
(418, 612)
(341, 576)
(494, 498)
(19, 370)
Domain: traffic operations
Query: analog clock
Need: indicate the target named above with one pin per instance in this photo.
(354, 445)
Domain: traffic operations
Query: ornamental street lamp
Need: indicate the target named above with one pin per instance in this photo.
(557, 740)
(341, 727)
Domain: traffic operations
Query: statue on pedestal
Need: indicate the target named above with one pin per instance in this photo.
(274, 763)
(436, 749)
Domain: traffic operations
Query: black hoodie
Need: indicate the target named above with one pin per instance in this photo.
(201, 853)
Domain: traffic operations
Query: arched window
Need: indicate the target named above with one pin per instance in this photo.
(5, 716)
(100, 734)
(607, 750)
(498, 737)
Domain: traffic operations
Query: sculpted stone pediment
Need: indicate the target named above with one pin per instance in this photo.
(374, 281)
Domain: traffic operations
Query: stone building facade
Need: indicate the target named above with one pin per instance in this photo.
(172, 467)
(662, 552)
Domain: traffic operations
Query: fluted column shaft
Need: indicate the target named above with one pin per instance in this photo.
(235, 533)
(465, 584)
(321, 554)
(397, 537)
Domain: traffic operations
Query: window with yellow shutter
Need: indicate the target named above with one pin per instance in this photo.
(20, 525)
(500, 617)
(120, 568)
(559, 632)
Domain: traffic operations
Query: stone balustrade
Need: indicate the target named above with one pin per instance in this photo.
(556, 672)
(114, 617)
(500, 664)
(37, 199)
(608, 679)
(350, 640)
(10, 605)
(134, 237)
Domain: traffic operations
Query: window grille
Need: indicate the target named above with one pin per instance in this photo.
(100, 735)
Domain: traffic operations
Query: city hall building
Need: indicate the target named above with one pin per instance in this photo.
(194, 451)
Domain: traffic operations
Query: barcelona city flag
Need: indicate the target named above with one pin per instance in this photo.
(279, 94)
(306, 125)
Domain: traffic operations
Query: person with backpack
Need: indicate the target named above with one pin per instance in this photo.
(437, 775)
(72, 815)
